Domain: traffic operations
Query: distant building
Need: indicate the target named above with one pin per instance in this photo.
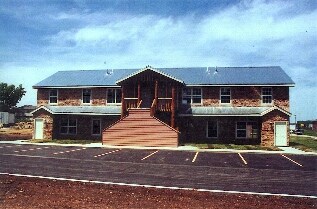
(24, 112)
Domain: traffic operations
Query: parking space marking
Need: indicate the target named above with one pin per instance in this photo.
(73, 150)
(242, 158)
(194, 159)
(292, 160)
(107, 153)
(149, 155)
(31, 149)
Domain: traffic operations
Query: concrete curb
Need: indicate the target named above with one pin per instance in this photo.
(286, 150)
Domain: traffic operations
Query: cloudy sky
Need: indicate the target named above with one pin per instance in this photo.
(39, 38)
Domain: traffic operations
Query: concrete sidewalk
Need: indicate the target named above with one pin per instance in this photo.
(284, 150)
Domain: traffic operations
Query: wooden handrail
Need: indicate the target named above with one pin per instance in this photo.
(139, 104)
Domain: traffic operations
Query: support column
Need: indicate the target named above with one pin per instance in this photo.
(123, 105)
(139, 92)
(156, 92)
(173, 107)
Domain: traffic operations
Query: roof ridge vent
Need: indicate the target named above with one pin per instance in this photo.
(109, 72)
(216, 71)
(208, 71)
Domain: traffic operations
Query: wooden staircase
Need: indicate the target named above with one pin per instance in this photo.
(140, 129)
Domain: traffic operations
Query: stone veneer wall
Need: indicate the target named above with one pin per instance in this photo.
(48, 123)
(267, 130)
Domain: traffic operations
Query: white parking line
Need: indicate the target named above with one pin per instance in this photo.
(243, 160)
(107, 153)
(292, 160)
(163, 187)
(149, 155)
(68, 151)
(194, 159)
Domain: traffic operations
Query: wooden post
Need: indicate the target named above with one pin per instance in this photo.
(156, 94)
(173, 108)
(139, 92)
(123, 107)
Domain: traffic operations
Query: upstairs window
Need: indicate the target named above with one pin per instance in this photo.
(114, 96)
(86, 96)
(192, 96)
(225, 95)
(68, 126)
(267, 95)
(53, 96)
(247, 130)
(212, 129)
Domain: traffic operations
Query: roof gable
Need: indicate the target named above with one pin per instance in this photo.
(148, 68)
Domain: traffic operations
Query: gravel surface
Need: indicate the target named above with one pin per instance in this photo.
(22, 192)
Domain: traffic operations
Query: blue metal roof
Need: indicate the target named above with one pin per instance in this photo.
(83, 110)
(190, 76)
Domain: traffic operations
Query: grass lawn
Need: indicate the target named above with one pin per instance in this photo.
(303, 143)
(310, 133)
(234, 146)
(64, 141)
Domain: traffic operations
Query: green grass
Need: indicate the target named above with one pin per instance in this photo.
(233, 146)
(310, 133)
(307, 144)
(64, 141)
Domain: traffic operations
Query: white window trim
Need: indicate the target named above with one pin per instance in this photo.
(68, 126)
(49, 97)
(224, 95)
(268, 104)
(92, 127)
(114, 103)
(82, 97)
(217, 130)
(191, 95)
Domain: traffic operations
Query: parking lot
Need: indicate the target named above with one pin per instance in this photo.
(195, 158)
(248, 172)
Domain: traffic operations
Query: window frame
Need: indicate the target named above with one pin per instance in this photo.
(49, 96)
(266, 95)
(68, 126)
(82, 97)
(115, 96)
(207, 129)
(191, 96)
(248, 123)
(92, 127)
(221, 95)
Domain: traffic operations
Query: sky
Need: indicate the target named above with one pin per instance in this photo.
(39, 38)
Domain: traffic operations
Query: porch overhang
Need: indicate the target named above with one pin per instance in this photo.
(231, 111)
(80, 110)
(148, 68)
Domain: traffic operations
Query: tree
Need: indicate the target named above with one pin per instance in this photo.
(10, 96)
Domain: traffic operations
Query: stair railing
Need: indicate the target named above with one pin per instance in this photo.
(139, 104)
(153, 107)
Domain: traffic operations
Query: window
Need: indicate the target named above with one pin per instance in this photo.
(86, 96)
(53, 96)
(225, 95)
(266, 95)
(192, 96)
(114, 96)
(247, 130)
(96, 127)
(212, 129)
(68, 126)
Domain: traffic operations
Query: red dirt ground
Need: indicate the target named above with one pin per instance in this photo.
(10, 134)
(27, 193)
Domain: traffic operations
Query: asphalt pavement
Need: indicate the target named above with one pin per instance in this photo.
(275, 173)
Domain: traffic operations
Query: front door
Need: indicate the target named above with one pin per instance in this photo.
(147, 95)
(280, 133)
(38, 129)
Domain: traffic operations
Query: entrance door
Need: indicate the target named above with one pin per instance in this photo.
(38, 132)
(147, 96)
(280, 134)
